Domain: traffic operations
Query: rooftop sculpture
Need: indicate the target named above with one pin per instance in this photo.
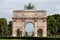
(29, 6)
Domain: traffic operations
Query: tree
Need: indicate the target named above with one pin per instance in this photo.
(26, 34)
(19, 33)
(51, 27)
(53, 24)
(3, 27)
(32, 33)
(10, 28)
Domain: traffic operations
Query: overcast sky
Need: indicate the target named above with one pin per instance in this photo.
(7, 6)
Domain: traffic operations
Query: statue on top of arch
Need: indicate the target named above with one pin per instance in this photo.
(29, 6)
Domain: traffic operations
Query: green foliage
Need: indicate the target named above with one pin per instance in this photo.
(3, 27)
(53, 22)
(10, 28)
(13, 39)
(26, 34)
(19, 33)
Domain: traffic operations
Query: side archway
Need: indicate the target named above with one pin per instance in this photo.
(40, 32)
(19, 33)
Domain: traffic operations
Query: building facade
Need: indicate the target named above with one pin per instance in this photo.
(29, 15)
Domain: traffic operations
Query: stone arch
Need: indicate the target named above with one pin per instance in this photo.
(29, 22)
(30, 27)
(19, 32)
(36, 17)
(40, 32)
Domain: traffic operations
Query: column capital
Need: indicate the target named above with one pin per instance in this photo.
(23, 20)
(35, 20)
(14, 20)
(44, 20)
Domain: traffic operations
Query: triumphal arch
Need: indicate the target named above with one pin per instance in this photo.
(29, 15)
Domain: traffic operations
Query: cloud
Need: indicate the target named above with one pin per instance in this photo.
(7, 6)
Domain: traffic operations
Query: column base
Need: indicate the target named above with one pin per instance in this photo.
(14, 35)
(23, 35)
(44, 35)
(35, 35)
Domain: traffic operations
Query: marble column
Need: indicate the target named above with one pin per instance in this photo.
(35, 29)
(45, 29)
(14, 33)
(23, 30)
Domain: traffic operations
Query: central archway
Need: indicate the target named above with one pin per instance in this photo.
(29, 29)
